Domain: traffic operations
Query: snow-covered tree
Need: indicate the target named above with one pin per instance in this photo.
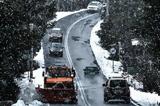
(22, 24)
(123, 20)
(151, 38)
(71, 5)
(130, 19)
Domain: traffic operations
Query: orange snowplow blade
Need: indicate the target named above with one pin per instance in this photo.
(55, 80)
(57, 95)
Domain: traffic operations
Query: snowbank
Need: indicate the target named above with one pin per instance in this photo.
(37, 74)
(143, 98)
(34, 103)
(19, 103)
(101, 55)
(64, 14)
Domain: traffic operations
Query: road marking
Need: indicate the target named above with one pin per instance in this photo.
(83, 96)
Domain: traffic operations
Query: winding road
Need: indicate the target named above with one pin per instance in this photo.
(78, 53)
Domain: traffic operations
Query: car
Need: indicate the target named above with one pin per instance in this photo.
(95, 6)
(116, 88)
(56, 49)
(56, 35)
(91, 70)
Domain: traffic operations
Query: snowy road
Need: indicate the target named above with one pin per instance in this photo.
(79, 30)
(82, 56)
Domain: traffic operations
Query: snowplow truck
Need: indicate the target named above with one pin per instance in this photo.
(59, 86)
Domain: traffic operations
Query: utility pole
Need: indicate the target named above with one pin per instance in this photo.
(113, 65)
(107, 8)
(31, 64)
(31, 25)
(150, 65)
(113, 53)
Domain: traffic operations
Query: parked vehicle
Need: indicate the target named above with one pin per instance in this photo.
(116, 88)
(59, 85)
(94, 6)
(56, 50)
(91, 70)
(56, 35)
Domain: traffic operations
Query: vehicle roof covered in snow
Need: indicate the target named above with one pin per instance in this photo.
(56, 29)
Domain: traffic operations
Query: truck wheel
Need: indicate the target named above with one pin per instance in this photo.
(74, 101)
(128, 101)
(61, 55)
(105, 99)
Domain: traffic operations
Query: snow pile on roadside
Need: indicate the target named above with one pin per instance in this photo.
(63, 14)
(101, 55)
(40, 57)
(28, 93)
(19, 103)
(37, 74)
(34, 103)
(143, 98)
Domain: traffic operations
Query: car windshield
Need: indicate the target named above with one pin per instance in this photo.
(57, 45)
(120, 83)
(91, 68)
(94, 4)
(54, 32)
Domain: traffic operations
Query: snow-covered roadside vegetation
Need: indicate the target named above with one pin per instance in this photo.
(143, 98)
(28, 93)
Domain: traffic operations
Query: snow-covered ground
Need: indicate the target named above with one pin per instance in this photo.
(143, 98)
(64, 14)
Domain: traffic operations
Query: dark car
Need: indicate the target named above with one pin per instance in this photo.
(91, 70)
(56, 49)
(56, 35)
(116, 88)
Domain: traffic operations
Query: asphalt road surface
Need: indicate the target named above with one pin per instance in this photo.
(77, 29)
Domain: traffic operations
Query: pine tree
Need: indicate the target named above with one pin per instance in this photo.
(121, 24)
(22, 26)
(151, 37)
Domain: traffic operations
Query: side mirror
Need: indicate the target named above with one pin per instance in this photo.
(103, 85)
(129, 85)
(43, 74)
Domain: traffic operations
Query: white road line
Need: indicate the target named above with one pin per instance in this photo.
(83, 95)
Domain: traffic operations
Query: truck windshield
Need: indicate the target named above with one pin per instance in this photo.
(60, 72)
(120, 83)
